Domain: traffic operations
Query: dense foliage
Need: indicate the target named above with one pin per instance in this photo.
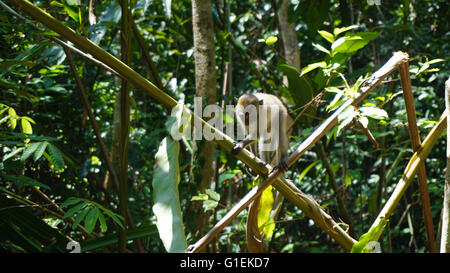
(51, 159)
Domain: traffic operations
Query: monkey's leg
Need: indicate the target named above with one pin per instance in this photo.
(283, 147)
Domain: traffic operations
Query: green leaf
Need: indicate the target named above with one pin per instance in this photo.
(200, 197)
(166, 199)
(313, 66)
(214, 195)
(28, 231)
(300, 89)
(227, 175)
(71, 212)
(118, 219)
(56, 156)
(321, 48)
(20, 181)
(80, 217)
(30, 120)
(102, 220)
(69, 202)
(338, 30)
(364, 121)
(271, 40)
(13, 153)
(110, 239)
(336, 102)
(40, 150)
(26, 126)
(327, 36)
(265, 222)
(352, 42)
(29, 151)
(209, 205)
(373, 112)
(346, 117)
(91, 219)
(426, 65)
(348, 179)
(13, 115)
(306, 170)
(72, 12)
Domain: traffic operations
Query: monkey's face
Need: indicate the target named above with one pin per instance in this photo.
(247, 109)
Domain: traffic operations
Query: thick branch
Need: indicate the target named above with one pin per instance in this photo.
(415, 141)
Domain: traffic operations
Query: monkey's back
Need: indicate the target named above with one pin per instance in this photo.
(281, 105)
(271, 98)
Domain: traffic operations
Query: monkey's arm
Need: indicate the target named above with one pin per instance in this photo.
(242, 144)
(283, 146)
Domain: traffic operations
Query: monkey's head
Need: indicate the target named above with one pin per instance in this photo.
(243, 102)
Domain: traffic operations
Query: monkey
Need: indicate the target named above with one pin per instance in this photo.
(252, 124)
(246, 106)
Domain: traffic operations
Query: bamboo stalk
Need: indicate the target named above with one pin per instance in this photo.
(124, 123)
(415, 141)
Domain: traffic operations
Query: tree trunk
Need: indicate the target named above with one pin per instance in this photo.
(205, 82)
(445, 238)
(288, 36)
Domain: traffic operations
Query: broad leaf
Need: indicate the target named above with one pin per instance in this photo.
(166, 198)
(26, 126)
(266, 225)
(313, 66)
(373, 112)
(300, 89)
(227, 175)
(321, 48)
(327, 36)
(13, 153)
(102, 220)
(13, 117)
(352, 42)
(338, 30)
(80, 217)
(56, 155)
(40, 150)
(91, 219)
(306, 170)
(69, 202)
(20, 181)
(346, 117)
(71, 212)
